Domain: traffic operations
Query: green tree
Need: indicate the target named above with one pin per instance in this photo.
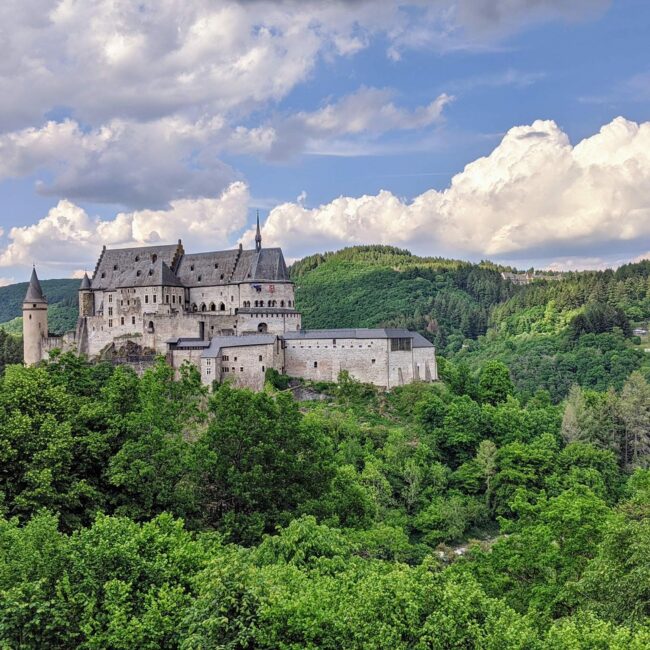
(494, 384)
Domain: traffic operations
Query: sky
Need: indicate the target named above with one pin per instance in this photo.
(510, 130)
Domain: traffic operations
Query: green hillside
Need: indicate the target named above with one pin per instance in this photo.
(62, 311)
(551, 333)
(370, 286)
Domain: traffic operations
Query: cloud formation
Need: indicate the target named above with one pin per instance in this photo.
(69, 238)
(534, 195)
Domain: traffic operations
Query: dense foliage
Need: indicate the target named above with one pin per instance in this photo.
(145, 512)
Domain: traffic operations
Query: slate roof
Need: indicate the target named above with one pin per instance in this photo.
(418, 341)
(85, 282)
(219, 342)
(130, 267)
(170, 266)
(34, 292)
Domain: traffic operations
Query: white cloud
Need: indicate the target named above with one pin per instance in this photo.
(534, 195)
(136, 164)
(4, 282)
(368, 112)
(68, 238)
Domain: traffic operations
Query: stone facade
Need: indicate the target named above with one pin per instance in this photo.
(230, 313)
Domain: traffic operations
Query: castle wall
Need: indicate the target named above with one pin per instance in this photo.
(275, 323)
(243, 366)
(226, 296)
(322, 359)
(282, 294)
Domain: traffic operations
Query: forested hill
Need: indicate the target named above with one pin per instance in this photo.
(369, 286)
(62, 299)
(551, 333)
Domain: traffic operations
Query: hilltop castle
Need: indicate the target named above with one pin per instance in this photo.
(231, 313)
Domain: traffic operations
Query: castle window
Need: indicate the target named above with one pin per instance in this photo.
(174, 298)
(261, 303)
(372, 360)
(241, 370)
(154, 297)
(30, 316)
(110, 311)
(167, 298)
(103, 274)
(194, 307)
(137, 258)
(315, 364)
(263, 369)
(198, 278)
(150, 327)
(110, 297)
(132, 320)
(121, 320)
(262, 328)
(110, 323)
(222, 307)
(225, 358)
(114, 267)
(221, 277)
(289, 303)
(216, 266)
(192, 267)
(146, 299)
(400, 345)
(203, 308)
(260, 357)
(154, 257)
(138, 273)
(150, 271)
(213, 307)
(281, 303)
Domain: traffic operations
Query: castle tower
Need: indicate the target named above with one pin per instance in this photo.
(86, 301)
(34, 321)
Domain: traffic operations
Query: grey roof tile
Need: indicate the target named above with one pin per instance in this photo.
(219, 342)
(34, 292)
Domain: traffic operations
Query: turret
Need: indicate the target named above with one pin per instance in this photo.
(86, 300)
(34, 321)
(258, 235)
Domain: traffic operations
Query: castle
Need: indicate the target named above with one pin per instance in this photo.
(231, 313)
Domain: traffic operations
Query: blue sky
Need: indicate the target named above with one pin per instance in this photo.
(342, 122)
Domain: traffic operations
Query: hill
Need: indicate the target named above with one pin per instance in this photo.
(551, 333)
(62, 311)
(369, 286)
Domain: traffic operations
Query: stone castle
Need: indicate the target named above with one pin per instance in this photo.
(231, 313)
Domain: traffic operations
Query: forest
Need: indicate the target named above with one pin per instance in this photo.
(505, 506)
(146, 512)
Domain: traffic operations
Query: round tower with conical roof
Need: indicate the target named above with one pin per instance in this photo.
(34, 321)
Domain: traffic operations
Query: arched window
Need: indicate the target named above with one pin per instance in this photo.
(262, 328)
(261, 303)
(281, 303)
(222, 307)
(213, 307)
(154, 257)
(150, 327)
(194, 308)
(203, 307)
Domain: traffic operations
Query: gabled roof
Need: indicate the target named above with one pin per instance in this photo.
(219, 342)
(135, 267)
(34, 292)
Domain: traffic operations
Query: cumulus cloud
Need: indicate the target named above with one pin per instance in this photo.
(69, 238)
(122, 161)
(4, 282)
(534, 195)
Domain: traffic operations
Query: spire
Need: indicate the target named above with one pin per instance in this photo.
(34, 291)
(85, 283)
(258, 235)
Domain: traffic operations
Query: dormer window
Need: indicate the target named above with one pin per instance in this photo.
(138, 273)
(114, 267)
(198, 278)
(216, 266)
